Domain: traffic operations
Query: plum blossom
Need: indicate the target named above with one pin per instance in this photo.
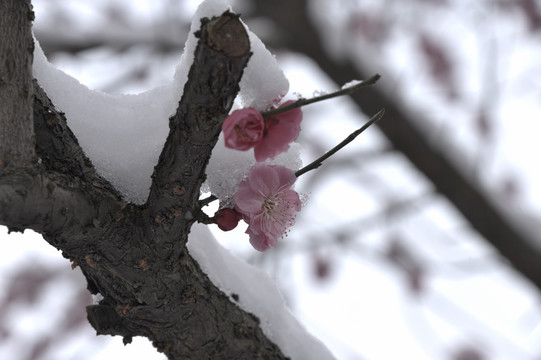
(269, 136)
(267, 203)
(243, 129)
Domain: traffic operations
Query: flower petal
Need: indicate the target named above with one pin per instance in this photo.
(280, 131)
(263, 150)
(259, 242)
(286, 177)
(246, 201)
(264, 180)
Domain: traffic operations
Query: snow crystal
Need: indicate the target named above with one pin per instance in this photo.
(318, 93)
(255, 292)
(351, 83)
(96, 298)
(123, 135)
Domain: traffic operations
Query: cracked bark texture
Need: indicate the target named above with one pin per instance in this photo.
(135, 256)
(16, 54)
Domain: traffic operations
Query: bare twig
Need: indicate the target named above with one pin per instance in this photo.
(348, 90)
(317, 163)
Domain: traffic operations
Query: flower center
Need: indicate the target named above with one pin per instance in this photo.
(241, 133)
(278, 214)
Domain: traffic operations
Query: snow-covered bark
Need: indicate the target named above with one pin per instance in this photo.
(136, 256)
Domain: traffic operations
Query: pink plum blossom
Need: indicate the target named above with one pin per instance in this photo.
(267, 203)
(246, 128)
(227, 219)
(243, 129)
(280, 130)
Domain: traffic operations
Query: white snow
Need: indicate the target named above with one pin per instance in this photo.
(123, 136)
(257, 294)
(351, 84)
(96, 298)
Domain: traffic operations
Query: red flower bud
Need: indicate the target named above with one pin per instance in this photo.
(227, 219)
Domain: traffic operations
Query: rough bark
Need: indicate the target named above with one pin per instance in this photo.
(299, 34)
(16, 51)
(136, 256)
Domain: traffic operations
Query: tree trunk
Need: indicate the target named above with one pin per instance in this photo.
(16, 54)
(134, 256)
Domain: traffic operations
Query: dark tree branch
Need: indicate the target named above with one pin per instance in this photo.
(401, 130)
(218, 65)
(16, 53)
(52, 203)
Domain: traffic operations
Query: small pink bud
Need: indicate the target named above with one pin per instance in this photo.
(227, 219)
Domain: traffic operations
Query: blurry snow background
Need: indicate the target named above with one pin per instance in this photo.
(378, 266)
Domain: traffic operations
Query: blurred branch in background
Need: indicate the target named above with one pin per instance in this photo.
(404, 133)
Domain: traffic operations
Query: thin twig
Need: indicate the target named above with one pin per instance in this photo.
(317, 163)
(204, 202)
(301, 102)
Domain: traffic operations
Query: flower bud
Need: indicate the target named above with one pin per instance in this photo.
(227, 219)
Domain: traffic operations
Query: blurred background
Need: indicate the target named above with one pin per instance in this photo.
(420, 240)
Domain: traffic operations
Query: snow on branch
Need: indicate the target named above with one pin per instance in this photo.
(135, 256)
